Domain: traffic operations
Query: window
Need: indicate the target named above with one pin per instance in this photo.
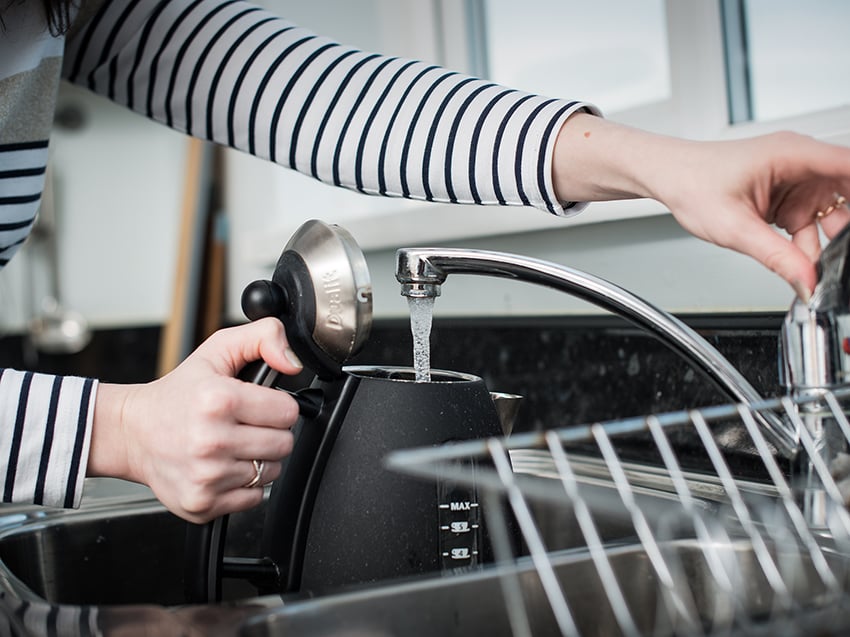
(609, 52)
(786, 58)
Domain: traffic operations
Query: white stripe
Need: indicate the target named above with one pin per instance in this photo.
(17, 186)
(26, 158)
(19, 212)
(69, 409)
(35, 618)
(10, 396)
(33, 438)
(234, 68)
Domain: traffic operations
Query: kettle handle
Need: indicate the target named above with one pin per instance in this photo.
(205, 563)
(309, 399)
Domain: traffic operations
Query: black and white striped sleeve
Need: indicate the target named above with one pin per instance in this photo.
(230, 72)
(47, 440)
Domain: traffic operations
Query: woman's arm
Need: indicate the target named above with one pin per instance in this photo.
(235, 74)
(731, 193)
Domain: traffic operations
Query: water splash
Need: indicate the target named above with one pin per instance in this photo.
(421, 315)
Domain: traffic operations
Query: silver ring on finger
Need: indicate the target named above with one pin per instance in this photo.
(257, 480)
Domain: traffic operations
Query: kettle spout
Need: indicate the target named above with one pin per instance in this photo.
(507, 408)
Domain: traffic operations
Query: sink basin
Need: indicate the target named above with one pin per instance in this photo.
(112, 551)
(122, 558)
(132, 550)
(473, 604)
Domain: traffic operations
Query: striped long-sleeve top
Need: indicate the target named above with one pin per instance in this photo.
(230, 72)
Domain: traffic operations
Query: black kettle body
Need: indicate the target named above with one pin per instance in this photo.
(338, 517)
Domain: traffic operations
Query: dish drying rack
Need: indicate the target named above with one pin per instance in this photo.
(685, 523)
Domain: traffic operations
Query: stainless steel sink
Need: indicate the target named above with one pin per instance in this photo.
(123, 557)
(473, 604)
(131, 550)
(125, 549)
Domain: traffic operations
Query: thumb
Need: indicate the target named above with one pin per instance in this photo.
(264, 339)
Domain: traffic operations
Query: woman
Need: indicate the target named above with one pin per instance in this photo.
(233, 73)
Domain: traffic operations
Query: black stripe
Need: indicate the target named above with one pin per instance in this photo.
(78, 443)
(544, 144)
(305, 107)
(85, 42)
(19, 199)
(85, 629)
(284, 95)
(144, 37)
(523, 135)
(12, 245)
(181, 53)
(476, 136)
(432, 133)
(221, 67)
(17, 437)
(450, 142)
(234, 93)
(258, 93)
(106, 48)
(382, 155)
(51, 621)
(320, 133)
(47, 446)
(22, 172)
(497, 142)
(196, 72)
(406, 148)
(113, 72)
(17, 146)
(15, 225)
(163, 45)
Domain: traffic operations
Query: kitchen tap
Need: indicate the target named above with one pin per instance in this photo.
(422, 271)
(815, 359)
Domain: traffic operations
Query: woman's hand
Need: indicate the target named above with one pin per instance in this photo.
(731, 193)
(192, 435)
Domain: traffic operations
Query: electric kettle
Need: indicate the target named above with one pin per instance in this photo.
(336, 516)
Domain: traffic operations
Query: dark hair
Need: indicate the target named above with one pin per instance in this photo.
(57, 13)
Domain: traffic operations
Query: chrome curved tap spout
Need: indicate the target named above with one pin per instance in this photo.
(422, 271)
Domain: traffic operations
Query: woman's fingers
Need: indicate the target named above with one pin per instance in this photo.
(233, 400)
(194, 434)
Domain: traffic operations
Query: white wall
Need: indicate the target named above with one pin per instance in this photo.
(118, 190)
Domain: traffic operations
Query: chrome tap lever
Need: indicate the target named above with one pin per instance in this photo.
(815, 350)
(815, 333)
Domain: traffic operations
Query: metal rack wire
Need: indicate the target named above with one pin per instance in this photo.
(685, 523)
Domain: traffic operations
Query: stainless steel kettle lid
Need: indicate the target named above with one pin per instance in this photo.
(342, 287)
(322, 292)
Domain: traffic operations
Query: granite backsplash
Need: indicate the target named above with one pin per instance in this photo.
(571, 370)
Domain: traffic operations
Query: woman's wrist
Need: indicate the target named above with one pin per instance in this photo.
(108, 451)
(599, 160)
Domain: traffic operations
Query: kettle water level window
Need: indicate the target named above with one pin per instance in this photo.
(785, 57)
